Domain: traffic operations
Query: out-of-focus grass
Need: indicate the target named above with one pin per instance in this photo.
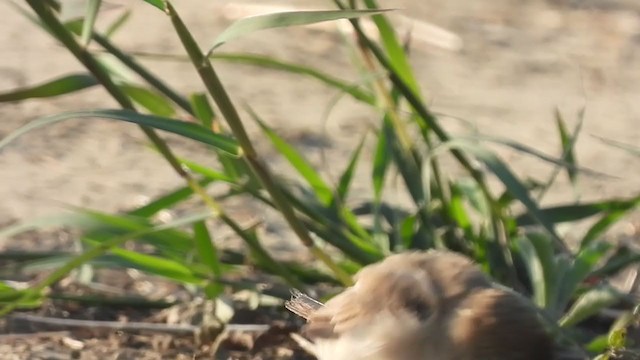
(520, 248)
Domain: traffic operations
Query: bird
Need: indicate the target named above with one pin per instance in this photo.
(423, 305)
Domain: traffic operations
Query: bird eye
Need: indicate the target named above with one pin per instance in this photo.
(419, 307)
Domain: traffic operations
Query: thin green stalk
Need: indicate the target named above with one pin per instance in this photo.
(430, 122)
(82, 54)
(220, 96)
(261, 253)
(64, 36)
(407, 148)
(154, 81)
(428, 119)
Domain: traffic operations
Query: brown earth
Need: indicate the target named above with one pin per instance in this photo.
(520, 60)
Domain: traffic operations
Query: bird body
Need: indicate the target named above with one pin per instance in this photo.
(423, 305)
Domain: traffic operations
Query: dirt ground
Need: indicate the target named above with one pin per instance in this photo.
(519, 61)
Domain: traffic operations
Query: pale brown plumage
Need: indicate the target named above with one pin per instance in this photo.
(423, 305)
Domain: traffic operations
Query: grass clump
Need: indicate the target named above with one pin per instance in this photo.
(507, 231)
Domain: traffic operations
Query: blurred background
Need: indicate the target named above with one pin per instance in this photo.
(503, 68)
(502, 72)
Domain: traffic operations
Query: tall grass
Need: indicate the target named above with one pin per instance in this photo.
(507, 231)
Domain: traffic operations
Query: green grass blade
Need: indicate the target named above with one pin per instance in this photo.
(620, 260)
(207, 171)
(589, 304)
(630, 149)
(60, 86)
(285, 19)
(515, 187)
(167, 200)
(582, 266)
(393, 48)
(568, 144)
(321, 189)
(93, 253)
(117, 24)
(93, 6)
(456, 209)
(538, 254)
(160, 4)
(189, 130)
(535, 269)
(605, 222)
(207, 251)
(381, 161)
(203, 110)
(522, 148)
(217, 91)
(406, 164)
(127, 60)
(148, 99)
(570, 213)
(269, 62)
(473, 194)
(261, 255)
(171, 242)
(154, 265)
(347, 175)
(62, 220)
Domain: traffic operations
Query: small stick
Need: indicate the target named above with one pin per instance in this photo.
(177, 329)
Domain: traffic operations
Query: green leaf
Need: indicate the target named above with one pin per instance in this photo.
(570, 213)
(517, 189)
(537, 253)
(160, 4)
(620, 260)
(598, 345)
(117, 24)
(394, 50)
(381, 162)
(535, 270)
(93, 6)
(474, 195)
(60, 86)
(321, 189)
(269, 62)
(630, 149)
(155, 265)
(202, 109)
(406, 164)
(568, 144)
(522, 148)
(207, 251)
(456, 208)
(285, 19)
(61, 220)
(189, 130)
(167, 200)
(97, 251)
(347, 174)
(581, 267)
(206, 171)
(148, 99)
(606, 221)
(617, 339)
(589, 304)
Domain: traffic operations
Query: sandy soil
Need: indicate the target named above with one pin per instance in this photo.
(520, 61)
